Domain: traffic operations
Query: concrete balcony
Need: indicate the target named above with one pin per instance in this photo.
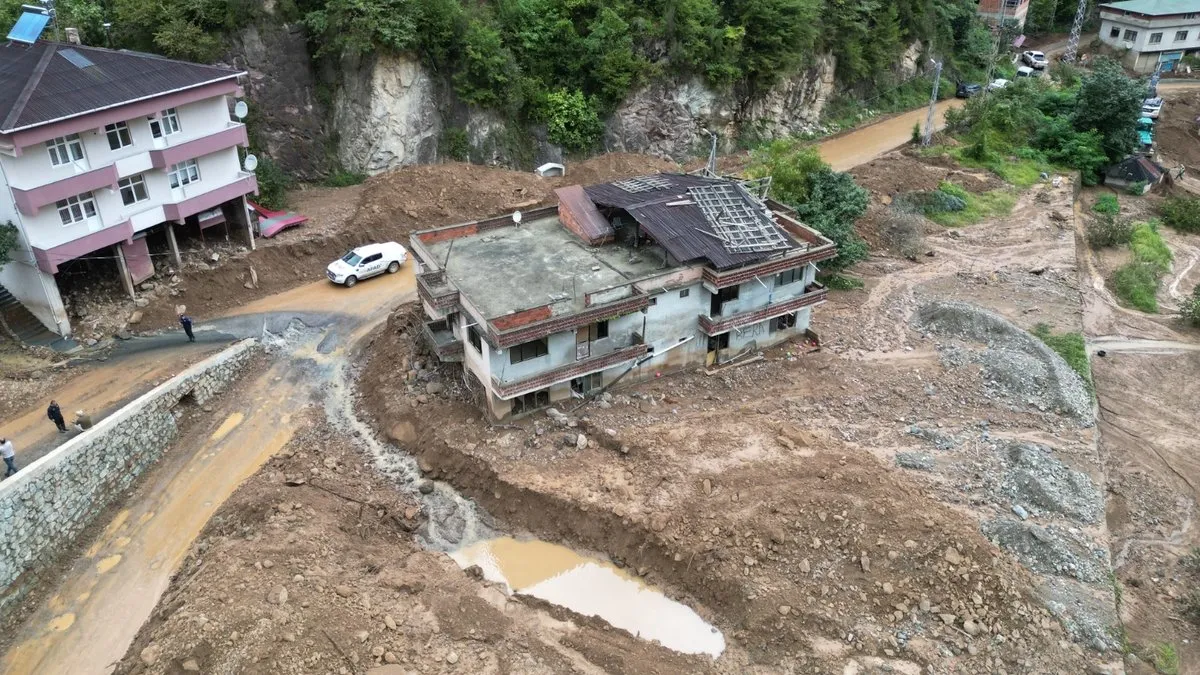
(813, 294)
(200, 196)
(30, 200)
(233, 135)
(49, 259)
(435, 290)
(546, 378)
(442, 341)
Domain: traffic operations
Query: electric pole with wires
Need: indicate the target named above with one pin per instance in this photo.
(933, 100)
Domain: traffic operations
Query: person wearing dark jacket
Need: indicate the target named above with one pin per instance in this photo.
(55, 415)
(186, 322)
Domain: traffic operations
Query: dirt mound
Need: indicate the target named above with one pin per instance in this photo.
(419, 197)
(1175, 132)
(898, 173)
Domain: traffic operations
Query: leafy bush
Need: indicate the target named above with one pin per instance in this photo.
(342, 177)
(273, 183)
(8, 241)
(931, 202)
(1110, 103)
(954, 190)
(1108, 204)
(1065, 74)
(1148, 247)
(917, 136)
(987, 205)
(903, 233)
(1136, 285)
(790, 164)
(1137, 188)
(1181, 213)
(842, 282)
(1190, 310)
(454, 144)
(572, 121)
(1106, 230)
(1071, 346)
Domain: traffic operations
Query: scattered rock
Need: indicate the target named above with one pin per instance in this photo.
(141, 302)
(953, 556)
(343, 590)
(425, 487)
(785, 609)
(278, 595)
(151, 654)
(920, 461)
(452, 658)
(581, 442)
(191, 666)
(389, 622)
(434, 388)
(135, 318)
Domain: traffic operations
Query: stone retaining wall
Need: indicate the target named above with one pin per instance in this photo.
(45, 506)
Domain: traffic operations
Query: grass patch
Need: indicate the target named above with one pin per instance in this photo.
(1073, 349)
(1181, 213)
(1107, 203)
(344, 178)
(1136, 285)
(1016, 171)
(842, 282)
(1148, 246)
(979, 207)
(1166, 659)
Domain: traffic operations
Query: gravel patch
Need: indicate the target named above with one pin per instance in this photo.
(921, 461)
(1050, 550)
(1037, 478)
(1017, 367)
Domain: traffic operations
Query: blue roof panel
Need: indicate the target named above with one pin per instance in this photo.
(29, 27)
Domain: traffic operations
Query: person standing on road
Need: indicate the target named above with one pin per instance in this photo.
(10, 461)
(55, 415)
(186, 322)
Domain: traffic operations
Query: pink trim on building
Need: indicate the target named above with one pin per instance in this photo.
(190, 207)
(48, 260)
(29, 201)
(97, 120)
(205, 145)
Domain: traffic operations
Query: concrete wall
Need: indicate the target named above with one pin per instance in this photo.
(45, 506)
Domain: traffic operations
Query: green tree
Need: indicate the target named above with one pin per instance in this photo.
(488, 71)
(360, 26)
(1190, 309)
(834, 203)
(1110, 102)
(572, 121)
(614, 65)
(789, 164)
(780, 34)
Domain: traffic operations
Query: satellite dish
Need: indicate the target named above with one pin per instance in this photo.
(250, 163)
(517, 217)
(240, 110)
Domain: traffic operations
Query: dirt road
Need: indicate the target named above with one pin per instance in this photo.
(863, 145)
(110, 591)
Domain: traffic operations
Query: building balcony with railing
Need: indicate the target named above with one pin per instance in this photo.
(814, 294)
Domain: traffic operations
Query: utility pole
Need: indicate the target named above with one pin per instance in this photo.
(933, 99)
(1076, 29)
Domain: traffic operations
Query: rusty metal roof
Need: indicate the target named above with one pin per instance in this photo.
(44, 85)
(595, 227)
(671, 216)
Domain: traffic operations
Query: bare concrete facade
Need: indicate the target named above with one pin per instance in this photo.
(538, 315)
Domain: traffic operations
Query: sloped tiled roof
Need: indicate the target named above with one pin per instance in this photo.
(1136, 169)
(42, 85)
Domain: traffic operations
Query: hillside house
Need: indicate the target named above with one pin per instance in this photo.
(1151, 31)
(1006, 11)
(99, 148)
(620, 279)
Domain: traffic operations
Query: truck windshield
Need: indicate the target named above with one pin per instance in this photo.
(351, 259)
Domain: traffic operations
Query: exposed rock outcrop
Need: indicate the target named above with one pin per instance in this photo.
(386, 114)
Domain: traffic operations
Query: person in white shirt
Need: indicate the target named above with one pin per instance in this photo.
(6, 451)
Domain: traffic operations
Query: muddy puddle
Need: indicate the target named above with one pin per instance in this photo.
(592, 587)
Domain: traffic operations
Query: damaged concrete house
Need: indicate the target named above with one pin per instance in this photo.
(619, 280)
(100, 148)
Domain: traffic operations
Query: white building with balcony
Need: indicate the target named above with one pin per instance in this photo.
(1150, 31)
(99, 148)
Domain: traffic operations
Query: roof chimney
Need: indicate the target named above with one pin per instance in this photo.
(73, 36)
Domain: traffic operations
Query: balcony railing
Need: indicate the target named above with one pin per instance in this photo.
(506, 390)
(233, 135)
(442, 341)
(813, 294)
(436, 291)
(29, 201)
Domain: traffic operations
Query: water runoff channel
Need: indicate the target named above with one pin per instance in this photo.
(585, 584)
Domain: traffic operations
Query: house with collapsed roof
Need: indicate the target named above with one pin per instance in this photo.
(619, 280)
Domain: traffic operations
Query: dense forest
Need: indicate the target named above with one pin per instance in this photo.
(567, 61)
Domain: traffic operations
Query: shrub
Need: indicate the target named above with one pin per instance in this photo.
(1136, 285)
(572, 121)
(1106, 230)
(1181, 213)
(1190, 310)
(273, 183)
(954, 190)
(903, 233)
(978, 207)
(917, 136)
(455, 144)
(1148, 247)
(842, 282)
(834, 202)
(1107, 203)
(1137, 188)
(342, 177)
(1071, 346)
(1066, 74)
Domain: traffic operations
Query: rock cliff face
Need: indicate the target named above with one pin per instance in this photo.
(386, 114)
(670, 118)
(287, 117)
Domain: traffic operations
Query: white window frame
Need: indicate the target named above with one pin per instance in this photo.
(65, 150)
(184, 173)
(169, 119)
(133, 184)
(119, 132)
(76, 209)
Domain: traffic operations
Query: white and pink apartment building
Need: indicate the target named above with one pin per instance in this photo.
(98, 149)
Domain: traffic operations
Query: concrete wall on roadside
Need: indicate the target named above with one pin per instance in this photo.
(45, 506)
